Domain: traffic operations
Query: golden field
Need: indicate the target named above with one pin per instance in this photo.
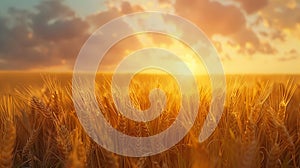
(260, 125)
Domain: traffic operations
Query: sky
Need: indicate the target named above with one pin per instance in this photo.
(251, 36)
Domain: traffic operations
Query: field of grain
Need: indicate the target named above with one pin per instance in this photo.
(260, 125)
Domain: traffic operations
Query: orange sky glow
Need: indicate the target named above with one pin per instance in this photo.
(251, 36)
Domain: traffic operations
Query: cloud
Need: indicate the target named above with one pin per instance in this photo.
(279, 14)
(127, 8)
(52, 35)
(227, 20)
(164, 1)
(290, 55)
(288, 58)
(212, 17)
(121, 49)
(293, 51)
(252, 6)
(44, 37)
(249, 43)
(99, 19)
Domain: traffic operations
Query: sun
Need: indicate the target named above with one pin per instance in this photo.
(174, 47)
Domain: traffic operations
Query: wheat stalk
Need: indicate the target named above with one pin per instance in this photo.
(7, 145)
(274, 156)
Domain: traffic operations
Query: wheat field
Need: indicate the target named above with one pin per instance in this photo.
(260, 125)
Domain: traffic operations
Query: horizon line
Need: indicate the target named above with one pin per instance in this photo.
(111, 72)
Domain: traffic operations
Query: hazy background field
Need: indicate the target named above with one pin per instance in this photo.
(14, 80)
